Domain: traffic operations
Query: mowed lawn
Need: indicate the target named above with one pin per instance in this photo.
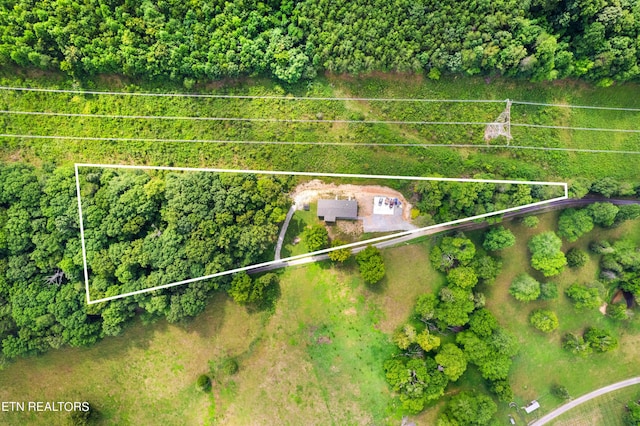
(605, 410)
(542, 362)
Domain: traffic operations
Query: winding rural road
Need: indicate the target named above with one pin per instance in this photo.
(467, 226)
(584, 398)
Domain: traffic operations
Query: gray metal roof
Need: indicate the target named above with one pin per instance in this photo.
(330, 210)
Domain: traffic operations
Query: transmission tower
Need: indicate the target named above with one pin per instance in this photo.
(500, 127)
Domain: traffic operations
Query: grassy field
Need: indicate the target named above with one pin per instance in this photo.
(412, 161)
(316, 360)
(542, 362)
(606, 410)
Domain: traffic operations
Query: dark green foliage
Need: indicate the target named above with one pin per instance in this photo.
(293, 40)
(245, 290)
(618, 311)
(584, 297)
(466, 408)
(455, 306)
(141, 230)
(316, 237)
(632, 415)
(573, 223)
(548, 291)
(600, 339)
(498, 239)
(446, 201)
(525, 288)
(487, 268)
(628, 212)
(483, 323)
(451, 252)
(603, 214)
(606, 186)
(575, 344)
(370, 265)
(81, 417)
(577, 258)
(544, 320)
(203, 383)
(560, 392)
(546, 256)
(492, 355)
(502, 389)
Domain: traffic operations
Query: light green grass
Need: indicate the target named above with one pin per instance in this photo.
(410, 161)
(605, 410)
(300, 220)
(542, 362)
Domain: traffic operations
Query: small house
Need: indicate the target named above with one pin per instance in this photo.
(331, 210)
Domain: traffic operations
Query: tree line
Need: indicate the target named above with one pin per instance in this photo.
(292, 40)
(141, 230)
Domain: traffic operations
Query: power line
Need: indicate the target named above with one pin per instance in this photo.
(308, 143)
(308, 98)
(595, 129)
(303, 120)
(273, 97)
(248, 119)
(576, 106)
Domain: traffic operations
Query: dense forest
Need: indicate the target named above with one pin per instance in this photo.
(292, 40)
(141, 230)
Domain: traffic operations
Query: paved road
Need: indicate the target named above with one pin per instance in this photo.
(584, 398)
(283, 231)
(466, 226)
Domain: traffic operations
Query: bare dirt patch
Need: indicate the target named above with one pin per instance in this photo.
(313, 190)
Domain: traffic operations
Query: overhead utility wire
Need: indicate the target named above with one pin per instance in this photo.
(350, 144)
(301, 120)
(309, 98)
(272, 120)
(284, 98)
(576, 106)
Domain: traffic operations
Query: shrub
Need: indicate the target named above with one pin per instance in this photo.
(618, 311)
(577, 258)
(560, 392)
(371, 265)
(575, 344)
(546, 256)
(544, 320)
(584, 297)
(316, 237)
(600, 339)
(203, 383)
(498, 239)
(229, 366)
(548, 291)
(525, 288)
(530, 221)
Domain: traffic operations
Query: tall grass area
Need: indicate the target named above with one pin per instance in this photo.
(351, 159)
